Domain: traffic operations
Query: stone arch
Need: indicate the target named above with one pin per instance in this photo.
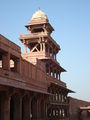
(49, 112)
(42, 110)
(11, 109)
(26, 108)
(4, 106)
(34, 109)
(15, 111)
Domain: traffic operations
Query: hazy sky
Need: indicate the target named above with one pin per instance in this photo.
(71, 21)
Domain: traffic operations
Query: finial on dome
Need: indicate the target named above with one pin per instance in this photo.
(39, 8)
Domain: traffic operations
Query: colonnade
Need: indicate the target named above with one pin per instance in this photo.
(42, 46)
(59, 103)
(53, 71)
(58, 97)
(51, 50)
(9, 62)
(58, 112)
(19, 106)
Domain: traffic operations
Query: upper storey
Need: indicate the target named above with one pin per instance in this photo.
(41, 45)
(39, 40)
(39, 23)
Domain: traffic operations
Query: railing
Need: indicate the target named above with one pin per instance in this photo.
(56, 81)
(59, 102)
(51, 57)
(9, 74)
(26, 36)
(29, 77)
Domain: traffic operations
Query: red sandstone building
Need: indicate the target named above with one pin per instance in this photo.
(30, 83)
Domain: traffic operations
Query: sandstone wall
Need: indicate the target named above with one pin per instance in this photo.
(74, 105)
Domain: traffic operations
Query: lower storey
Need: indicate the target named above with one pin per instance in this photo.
(22, 105)
(58, 112)
(16, 104)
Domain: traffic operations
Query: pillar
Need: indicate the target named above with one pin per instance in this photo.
(41, 47)
(56, 74)
(53, 73)
(20, 108)
(49, 70)
(52, 53)
(42, 107)
(38, 109)
(6, 61)
(67, 111)
(60, 113)
(48, 50)
(59, 77)
(55, 56)
(30, 107)
(5, 108)
(44, 47)
(45, 107)
(16, 108)
(25, 48)
(17, 65)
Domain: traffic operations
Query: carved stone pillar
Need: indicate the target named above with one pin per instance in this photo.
(20, 107)
(25, 48)
(5, 108)
(49, 70)
(53, 72)
(44, 47)
(41, 48)
(59, 77)
(48, 50)
(38, 109)
(55, 56)
(56, 74)
(17, 65)
(6, 61)
(52, 53)
(30, 99)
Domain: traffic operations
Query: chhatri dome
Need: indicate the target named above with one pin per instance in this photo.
(39, 18)
(39, 15)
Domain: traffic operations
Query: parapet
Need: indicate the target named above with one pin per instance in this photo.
(9, 46)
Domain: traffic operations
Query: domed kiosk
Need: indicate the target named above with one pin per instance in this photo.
(39, 20)
(39, 15)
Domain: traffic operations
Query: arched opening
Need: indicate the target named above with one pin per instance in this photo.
(37, 30)
(49, 113)
(15, 107)
(43, 109)
(11, 109)
(34, 109)
(0, 108)
(25, 108)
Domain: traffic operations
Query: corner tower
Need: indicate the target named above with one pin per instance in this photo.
(42, 51)
(42, 47)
